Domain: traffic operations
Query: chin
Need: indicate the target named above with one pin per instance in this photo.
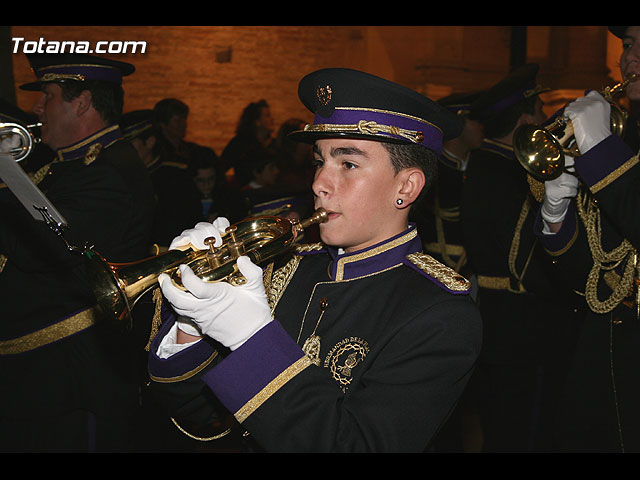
(331, 237)
(633, 91)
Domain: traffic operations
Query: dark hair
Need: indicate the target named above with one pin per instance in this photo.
(167, 108)
(251, 113)
(199, 162)
(502, 124)
(407, 156)
(106, 98)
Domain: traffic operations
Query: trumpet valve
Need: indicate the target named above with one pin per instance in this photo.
(212, 256)
(236, 247)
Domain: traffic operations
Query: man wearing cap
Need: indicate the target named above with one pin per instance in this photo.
(523, 309)
(69, 383)
(359, 343)
(177, 200)
(587, 222)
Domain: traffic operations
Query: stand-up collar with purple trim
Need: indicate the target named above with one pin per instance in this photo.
(374, 259)
(89, 148)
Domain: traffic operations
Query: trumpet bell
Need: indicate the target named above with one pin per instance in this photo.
(539, 152)
(27, 140)
(541, 149)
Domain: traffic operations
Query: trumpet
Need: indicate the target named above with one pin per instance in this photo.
(541, 149)
(27, 138)
(118, 286)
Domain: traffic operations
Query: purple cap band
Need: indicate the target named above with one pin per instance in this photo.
(402, 127)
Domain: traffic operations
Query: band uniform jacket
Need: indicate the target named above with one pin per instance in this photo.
(178, 204)
(519, 299)
(397, 337)
(592, 255)
(52, 354)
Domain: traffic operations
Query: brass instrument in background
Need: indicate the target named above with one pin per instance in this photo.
(541, 149)
(118, 287)
(28, 139)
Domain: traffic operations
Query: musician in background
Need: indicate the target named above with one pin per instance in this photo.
(177, 200)
(441, 229)
(525, 313)
(438, 220)
(68, 383)
(588, 223)
(360, 343)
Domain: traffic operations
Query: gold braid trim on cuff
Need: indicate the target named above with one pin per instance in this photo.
(248, 408)
(613, 176)
(185, 375)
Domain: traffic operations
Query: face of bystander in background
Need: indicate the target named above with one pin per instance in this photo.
(205, 180)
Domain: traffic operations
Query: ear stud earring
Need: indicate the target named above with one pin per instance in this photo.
(399, 201)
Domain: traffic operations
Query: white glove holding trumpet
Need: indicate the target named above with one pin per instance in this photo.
(228, 314)
(591, 119)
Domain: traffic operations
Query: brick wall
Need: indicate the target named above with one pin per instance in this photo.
(217, 71)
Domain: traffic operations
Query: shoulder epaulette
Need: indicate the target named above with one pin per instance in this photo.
(442, 275)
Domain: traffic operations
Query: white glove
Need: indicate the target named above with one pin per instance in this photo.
(591, 119)
(9, 142)
(229, 314)
(196, 236)
(558, 194)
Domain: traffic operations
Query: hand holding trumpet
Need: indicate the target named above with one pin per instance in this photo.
(229, 314)
(579, 127)
(590, 116)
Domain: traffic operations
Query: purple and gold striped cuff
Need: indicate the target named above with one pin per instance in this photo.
(605, 163)
(255, 371)
(181, 365)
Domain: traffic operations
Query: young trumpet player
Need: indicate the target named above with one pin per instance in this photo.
(587, 222)
(358, 344)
